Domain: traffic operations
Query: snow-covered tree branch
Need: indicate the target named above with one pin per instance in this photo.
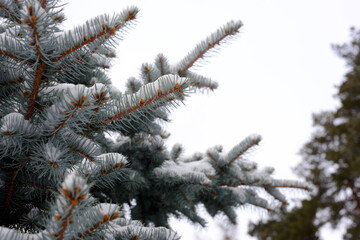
(63, 177)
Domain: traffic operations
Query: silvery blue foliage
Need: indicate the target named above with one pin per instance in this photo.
(63, 177)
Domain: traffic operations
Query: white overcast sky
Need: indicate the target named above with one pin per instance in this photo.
(279, 71)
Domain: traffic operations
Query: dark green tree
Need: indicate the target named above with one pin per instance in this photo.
(331, 162)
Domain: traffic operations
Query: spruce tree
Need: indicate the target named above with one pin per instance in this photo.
(62, 176)
(331, 162)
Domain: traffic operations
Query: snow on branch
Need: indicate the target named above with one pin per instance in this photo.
(209, 44)
(104, 170)
(192, 172)
(218, 175)
(74, 100)
(133, 230)
(156, 94)
(81, 145)
(9, 233)
(14, 124)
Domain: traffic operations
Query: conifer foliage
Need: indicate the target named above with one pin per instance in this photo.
(62, 177)
(331, 163)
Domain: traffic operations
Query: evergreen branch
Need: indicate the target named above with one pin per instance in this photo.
(80, 101)
(149, 73)
(68, 115)
(18, 80)
(162, 64)
(118, 165)
(261, 206)
(133, 85)
(35, 91)
(146, 72)
(201, 82)
(250, 180)
(11, 14)
(11, 55)
(106, 32)
(105, 171)
(40, 67)
(237, 178)
(222, 208)
(249, 196)
(149, 130)
(200, 51)
(100, 98)
(79, 59)
(291, 184)
(82, 153)
(202, 184)
(241, 148)
(85, 42)
(106, 219)
(73, 63)
(149, 95)
(65, 222)
(74, 192)
(11, 188)
(14, 50)
(36, 185)
(276, 194)
(305, 188)
(187, 200)
(210, 155)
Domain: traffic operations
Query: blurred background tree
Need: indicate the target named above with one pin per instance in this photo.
(331, 162)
